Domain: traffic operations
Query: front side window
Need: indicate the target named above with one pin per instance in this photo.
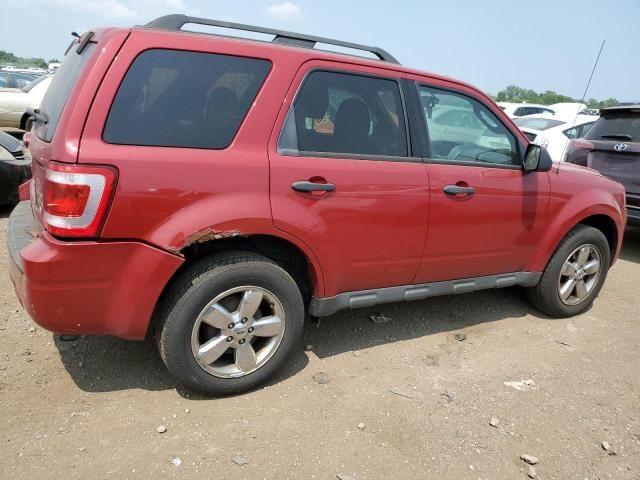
(345, 114)
(172, 98)
(462, 129)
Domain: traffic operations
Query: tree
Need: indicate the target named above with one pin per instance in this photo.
(515, 94)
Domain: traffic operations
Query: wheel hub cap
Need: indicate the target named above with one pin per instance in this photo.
(238, 332)
(579, 275)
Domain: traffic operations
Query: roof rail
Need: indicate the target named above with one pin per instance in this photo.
(177, 21)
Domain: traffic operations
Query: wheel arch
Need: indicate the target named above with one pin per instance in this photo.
(601, 216)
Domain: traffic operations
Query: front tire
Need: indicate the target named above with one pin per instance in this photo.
(575, 274)
(229, 322)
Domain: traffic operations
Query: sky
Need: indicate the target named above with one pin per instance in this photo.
(537, 44)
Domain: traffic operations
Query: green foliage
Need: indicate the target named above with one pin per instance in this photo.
(517, 94)
(8, 58)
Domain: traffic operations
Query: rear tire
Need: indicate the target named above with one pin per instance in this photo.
(575, 274)
(229, 322)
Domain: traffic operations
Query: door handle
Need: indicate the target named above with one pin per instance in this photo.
(458, 190)
(307, 186)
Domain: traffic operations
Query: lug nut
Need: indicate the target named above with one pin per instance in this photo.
(230, 326)
(244, 320)
(242, 341)
(251, 330)
(229, 339)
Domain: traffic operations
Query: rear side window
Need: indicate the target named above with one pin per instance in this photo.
(58, 92)
(623, 126)
(173, 98)
(345, 114)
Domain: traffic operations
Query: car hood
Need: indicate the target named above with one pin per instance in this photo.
(571, 167)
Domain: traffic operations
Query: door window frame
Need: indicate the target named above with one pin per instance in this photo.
(423, 128)
(404, 89)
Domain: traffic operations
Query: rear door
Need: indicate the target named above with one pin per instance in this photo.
(344, 179)
(486, 214)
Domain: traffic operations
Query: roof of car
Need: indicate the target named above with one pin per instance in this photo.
(620, 108)
(169, 25)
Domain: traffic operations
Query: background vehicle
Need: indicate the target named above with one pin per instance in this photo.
(568, 110)
(15, 103)
(553, 133)
(15, 168)
(211, 190)
(15, 79)
(612, 147)
(517, 110)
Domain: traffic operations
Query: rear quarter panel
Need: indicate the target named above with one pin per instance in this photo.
(172, 197)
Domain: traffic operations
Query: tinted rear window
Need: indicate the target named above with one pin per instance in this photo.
(58, 92)
(173, 98)
(623, 126)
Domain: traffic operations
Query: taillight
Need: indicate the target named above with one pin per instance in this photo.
(75, 198)
(578, 151)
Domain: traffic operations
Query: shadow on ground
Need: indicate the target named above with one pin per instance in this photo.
(5, 211)
(103, 364)
(106, 364)
(631, 245)
(354, 330)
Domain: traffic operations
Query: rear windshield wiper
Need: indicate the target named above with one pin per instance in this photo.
(618, 136)
(38, 115)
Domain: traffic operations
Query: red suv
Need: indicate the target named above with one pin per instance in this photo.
(211, 190)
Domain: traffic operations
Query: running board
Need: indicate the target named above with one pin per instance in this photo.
(322, 307)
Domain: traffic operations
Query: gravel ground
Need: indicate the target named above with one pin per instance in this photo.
(449, 388)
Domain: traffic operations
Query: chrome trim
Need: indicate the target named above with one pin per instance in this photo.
(322, 307)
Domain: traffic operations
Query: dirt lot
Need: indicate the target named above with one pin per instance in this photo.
(405, 399)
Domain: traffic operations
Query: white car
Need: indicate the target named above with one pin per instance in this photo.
(15, 102)
(554, 133)
(517, 110)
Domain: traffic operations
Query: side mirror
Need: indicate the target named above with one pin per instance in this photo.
(536, 159)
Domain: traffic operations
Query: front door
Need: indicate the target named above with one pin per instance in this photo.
(343, 179)
(487, 213)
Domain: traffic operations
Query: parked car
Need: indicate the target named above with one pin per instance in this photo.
(15, 79)
(15, 103)
(308, 183)
(517, 110)
(554, 134)
(568, 110)
(15, 168)
(612, 147)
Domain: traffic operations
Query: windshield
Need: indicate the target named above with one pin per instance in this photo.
(537, 123)
(58, 92)
(29, 86)
(622, 125)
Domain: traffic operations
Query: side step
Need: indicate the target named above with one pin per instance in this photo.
(322, 307)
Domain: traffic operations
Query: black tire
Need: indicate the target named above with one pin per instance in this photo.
(198, 285)
(546, 297)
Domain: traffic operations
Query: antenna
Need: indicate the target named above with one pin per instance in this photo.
(584, 95)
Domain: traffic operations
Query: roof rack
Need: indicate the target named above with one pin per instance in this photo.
(177, 21)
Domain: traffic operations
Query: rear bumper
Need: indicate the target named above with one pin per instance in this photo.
(85, 287)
